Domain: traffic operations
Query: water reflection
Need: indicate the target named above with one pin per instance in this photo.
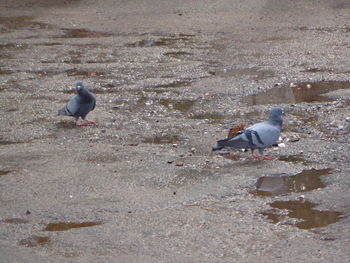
(301, 92)
(310, 218)
(304, 181)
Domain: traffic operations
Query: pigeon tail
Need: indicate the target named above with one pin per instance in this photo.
(62, 112)
(217, 147)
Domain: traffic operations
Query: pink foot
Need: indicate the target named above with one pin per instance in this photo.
(79, 123)
(264, 157)
(91, 122)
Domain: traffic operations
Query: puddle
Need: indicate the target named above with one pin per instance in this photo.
(34, 241)
(15, 221)
(298, 94)
(160, 139)
(279, 184)
(82, 33)
(298, 158)
(180, 105)
(255, 73)
(178, 55)
(304, 211)
(63, 226)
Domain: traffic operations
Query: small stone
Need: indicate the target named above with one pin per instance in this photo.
(292, 85)
(170, 162)
(28, 212)
(294, 139)
(103, 131)
(308, 86)
(347, 119)
(282, 145)
(179, 164)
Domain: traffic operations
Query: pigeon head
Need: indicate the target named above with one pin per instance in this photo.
(276, 116)
(79, 86)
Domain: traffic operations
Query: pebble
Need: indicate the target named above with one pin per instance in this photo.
(179, 164)
(347, 119)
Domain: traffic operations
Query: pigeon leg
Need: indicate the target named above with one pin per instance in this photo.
(262, 157)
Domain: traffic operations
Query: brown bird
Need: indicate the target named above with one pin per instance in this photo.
(234, 129)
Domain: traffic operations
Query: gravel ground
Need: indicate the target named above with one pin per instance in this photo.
(171, 77)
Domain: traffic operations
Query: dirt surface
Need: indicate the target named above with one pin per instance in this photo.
(170, 78)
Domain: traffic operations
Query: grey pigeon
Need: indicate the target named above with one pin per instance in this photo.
(80, 105)
(259, 136)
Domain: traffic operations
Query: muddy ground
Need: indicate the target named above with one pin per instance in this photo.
(170, 78)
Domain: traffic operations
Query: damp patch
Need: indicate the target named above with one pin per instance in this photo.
(207, 116)
(178, 54)
(253, 73)
(297, 158)
(297, 93)
(65, 226)
(19, 22)
(4, 172)
(163, 42)
(307, 217)
(279, 184)
(175, 84)
(34, 241)
(14, 220)
(160, 139)
(179, 105)
(83, 33)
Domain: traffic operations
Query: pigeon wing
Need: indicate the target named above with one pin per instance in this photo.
(264, 134)
(71, 108)
(239, 141)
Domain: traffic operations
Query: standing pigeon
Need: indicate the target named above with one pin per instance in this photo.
(259, 136)
(80, 105)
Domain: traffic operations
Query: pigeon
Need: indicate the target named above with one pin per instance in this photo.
(259, 136)
(80, 105)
